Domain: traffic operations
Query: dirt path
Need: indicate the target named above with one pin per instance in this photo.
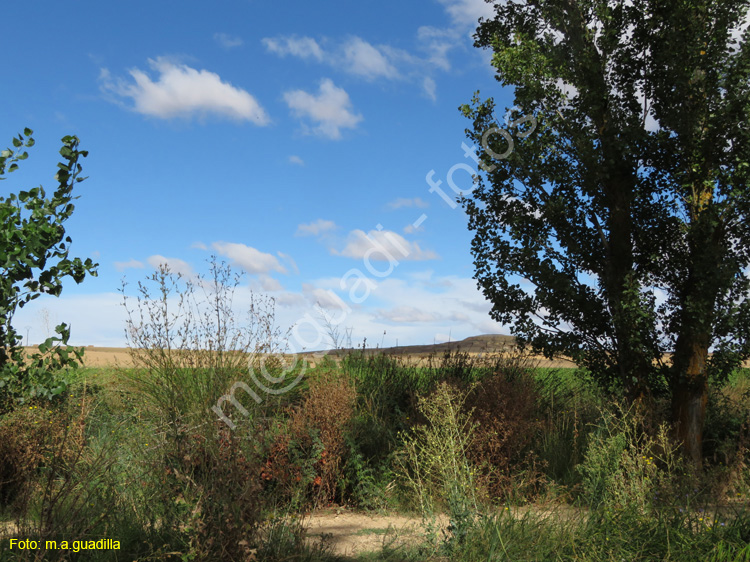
(350, 534)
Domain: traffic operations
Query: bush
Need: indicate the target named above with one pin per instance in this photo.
(59, 482)
(504, 408)
(626, 468)
(434, 460)
(203, 475)
(308, 453)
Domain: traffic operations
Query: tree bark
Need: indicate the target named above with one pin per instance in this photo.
(690, 395)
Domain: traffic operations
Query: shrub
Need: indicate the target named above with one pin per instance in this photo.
(203, 478)
(433, 461)
(504, 409)
(62, 480)
(627, 468)
(310, 451)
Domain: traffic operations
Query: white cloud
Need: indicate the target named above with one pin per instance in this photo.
(182, 91)
(199, 246)
(467, 12)
(175, 265)
(248, 258)
(122, 265)
(404, 202)
(355, 55)
(268, 283)
(359, 57)
(302, 47)
(413, 310)
(290, 260)
(382, 245)
(437, 43)
(227, 41)
(330, 110)
(289, 299)
(294, 159)
(323, 297)
(315, 228)
(430, 88)
(407, 315)
(365, 60)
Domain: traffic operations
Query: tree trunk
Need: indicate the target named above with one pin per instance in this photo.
(690, 395)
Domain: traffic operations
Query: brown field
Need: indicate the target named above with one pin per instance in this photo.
(485, 345)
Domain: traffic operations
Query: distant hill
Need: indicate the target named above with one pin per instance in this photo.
(489, 343)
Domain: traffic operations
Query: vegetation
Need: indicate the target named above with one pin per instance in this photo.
(525, 463)
(34, 260)
(613, 227)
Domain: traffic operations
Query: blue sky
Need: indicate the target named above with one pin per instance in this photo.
(290, 139)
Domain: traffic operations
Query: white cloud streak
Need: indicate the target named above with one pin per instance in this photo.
(130, 264)
(315, 228)
(404, 202)
(301, 47)
(227, 41)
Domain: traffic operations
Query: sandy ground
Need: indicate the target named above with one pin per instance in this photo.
(350, 534)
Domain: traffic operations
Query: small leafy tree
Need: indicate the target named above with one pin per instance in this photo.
(617, 232)
(34, 261)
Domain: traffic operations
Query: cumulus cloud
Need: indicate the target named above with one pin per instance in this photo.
(404, 202)
(294, 159)
(134, 264)
(323, 297)
(182, 91)
(467, 12)
(314, 228)
(227, 41)
(248, 258)
(302, 47)
(175, 265)
(268, 283)
(382, 245)
(330, 110)
(365, 60)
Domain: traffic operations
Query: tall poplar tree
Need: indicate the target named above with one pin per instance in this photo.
(617, 230)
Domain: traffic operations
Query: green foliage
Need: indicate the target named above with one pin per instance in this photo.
(627, 469)
(614, 230)
(34, 260)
